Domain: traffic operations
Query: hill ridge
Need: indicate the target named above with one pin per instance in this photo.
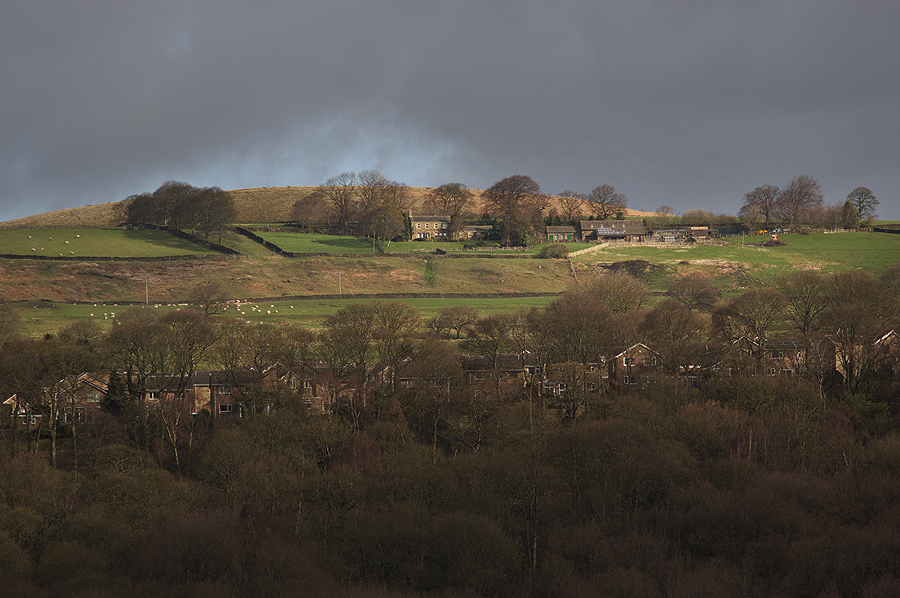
(254, 205)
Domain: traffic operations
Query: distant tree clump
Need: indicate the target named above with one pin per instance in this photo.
(205, 211)
(799, 200)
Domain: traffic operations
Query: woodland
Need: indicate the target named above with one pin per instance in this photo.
(738, 484)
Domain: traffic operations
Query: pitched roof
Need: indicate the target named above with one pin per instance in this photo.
(611, 228)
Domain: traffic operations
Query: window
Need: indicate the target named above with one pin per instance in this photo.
(307, 384)
(631, 361)
(650, 361)
(225, 408)
(293, 384)
(426, 225)
(626, 380)
(418, 225)
(153, 395)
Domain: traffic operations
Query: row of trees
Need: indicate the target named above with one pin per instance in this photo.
(204, 211)
(368, 204)
(802, 202)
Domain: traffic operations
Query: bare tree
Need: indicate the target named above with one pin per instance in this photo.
(760, 204)
(864, 201)
(449, 199)
(571, 202)
(209, 296)
(753, 315)
(619, 291)
(516, 200)
(806, 294)
(208, 211)
(796, 202)
(311, 210)
(695, 291)
(340, 193)
(382, 204)
(606, 202)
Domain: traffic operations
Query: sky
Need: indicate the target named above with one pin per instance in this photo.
(685, 103)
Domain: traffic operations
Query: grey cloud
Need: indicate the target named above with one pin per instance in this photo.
(689, 103)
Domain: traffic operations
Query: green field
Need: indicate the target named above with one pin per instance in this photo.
(40, 318)
(732, 266)
(759, 265)
(316, 243)
(95, 242)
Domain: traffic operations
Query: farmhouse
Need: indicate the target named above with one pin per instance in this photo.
(432, 228)
(613, 230)
(561, 234)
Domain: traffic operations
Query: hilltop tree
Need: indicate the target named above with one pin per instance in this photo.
(517, 200)
(311, 210)
(208, 211)
(606, 202)
(799, 200)
(381, 205)
(453, 200)
(450, 199)
(760, 204)
(340, 193)
(864, 201)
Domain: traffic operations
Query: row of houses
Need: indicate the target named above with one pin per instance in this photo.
(221, 395)
(634, 231)
(437, 228)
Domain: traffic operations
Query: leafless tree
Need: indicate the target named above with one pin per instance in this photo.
(753, 315)
(695, 291)
(517, 201)
(619, 291)
(606, 202)
(760, 204)
(450, 199)
(806, 294)
(311, 210)
(571, 202)
(341, 194)
(209, 296)
(801, 198)
(864, 201)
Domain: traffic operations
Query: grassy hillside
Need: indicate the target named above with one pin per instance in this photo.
(95, 242)
(257, 205)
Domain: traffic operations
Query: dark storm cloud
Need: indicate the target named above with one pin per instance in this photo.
(689, 103)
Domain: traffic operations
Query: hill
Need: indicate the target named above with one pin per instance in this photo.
(257, 205)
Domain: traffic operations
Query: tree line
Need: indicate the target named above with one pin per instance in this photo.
(801, 202)
(368, 204)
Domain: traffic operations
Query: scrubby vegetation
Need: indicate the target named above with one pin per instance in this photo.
(728, 482)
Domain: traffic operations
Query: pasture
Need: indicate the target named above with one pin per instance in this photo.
(317, 243)
(39, 318)
(95, 242)
(755, 264)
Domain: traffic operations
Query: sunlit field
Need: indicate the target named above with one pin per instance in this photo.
(95, 242)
